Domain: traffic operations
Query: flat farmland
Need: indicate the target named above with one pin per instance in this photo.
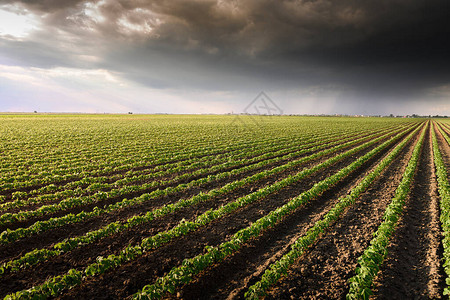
(223, 207)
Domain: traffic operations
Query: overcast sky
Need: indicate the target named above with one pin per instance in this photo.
(179, 56)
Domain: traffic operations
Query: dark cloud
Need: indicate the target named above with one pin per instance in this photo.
(372, 48)
(46, 6)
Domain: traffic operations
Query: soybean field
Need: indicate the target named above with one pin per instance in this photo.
(223, 207)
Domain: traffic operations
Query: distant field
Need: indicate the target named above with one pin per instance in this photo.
(223, 207)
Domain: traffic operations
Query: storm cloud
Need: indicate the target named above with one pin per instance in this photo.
(368, 52)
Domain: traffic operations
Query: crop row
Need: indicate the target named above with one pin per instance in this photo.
(104, 183)
(140, 157)
(39, 255)
(372, 258)
(108, 182)
(132, 158)
(196, 138)
(444, 133)
(136, 158)
(56, 284)
(277, 269)
(9, 236)
(96, 179)
(190, 267)
(69, 172)
(122, 187)
(38, 151)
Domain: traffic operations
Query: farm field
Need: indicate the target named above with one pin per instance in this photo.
(223, 207)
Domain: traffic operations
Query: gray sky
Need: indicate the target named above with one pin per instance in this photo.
(351, 57)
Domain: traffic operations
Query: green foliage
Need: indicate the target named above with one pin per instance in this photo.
(74, 161)
(37, 256)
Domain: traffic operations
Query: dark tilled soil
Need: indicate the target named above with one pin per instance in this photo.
(324, 271)
(412, 269)
(86, 255)
(130, 277)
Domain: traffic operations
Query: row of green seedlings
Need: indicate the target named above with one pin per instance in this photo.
(445, 125)
(70, 162)
(140, 159)
(116, 166)
(139, 154)
(100, 183)
(190, 267)
(57, 284)
(122, 162)
(87, 153)
(218, 139)
(92, 182)
(444, 193)
(370, 261)
(9, 218)
(53, 192)
(9, 236)
(249, 179)
(39, 255)
(87, 185)
(124, 187)
(72, 185)
(302, 244)
(196, 146)
(117, 158)
(97, 183)
(49, 188)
